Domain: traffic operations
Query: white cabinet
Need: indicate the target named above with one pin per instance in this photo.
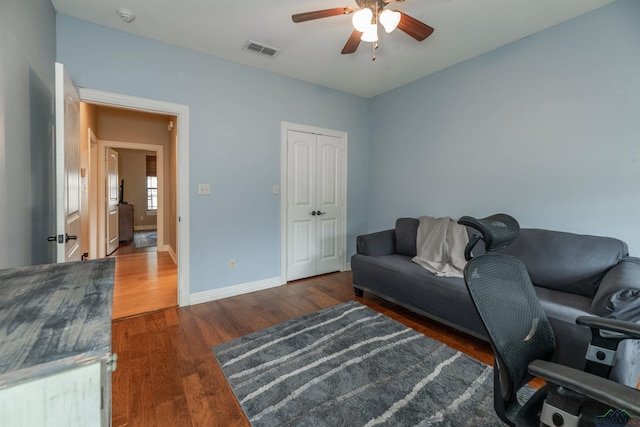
(55, 345)
(67, 398)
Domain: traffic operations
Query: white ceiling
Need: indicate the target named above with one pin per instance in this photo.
(310, 51)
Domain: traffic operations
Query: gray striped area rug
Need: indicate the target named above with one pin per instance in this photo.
(351, 366)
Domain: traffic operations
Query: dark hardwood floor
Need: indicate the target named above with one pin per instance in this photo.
(168, 376)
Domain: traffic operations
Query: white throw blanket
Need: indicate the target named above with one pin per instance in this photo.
(440, 245)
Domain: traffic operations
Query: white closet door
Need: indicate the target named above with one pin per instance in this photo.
(314, 204)
(301, 163)
(328, 203)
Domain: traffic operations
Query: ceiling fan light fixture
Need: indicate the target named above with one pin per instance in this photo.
(370, 34)
(362, 19)
(390, 19)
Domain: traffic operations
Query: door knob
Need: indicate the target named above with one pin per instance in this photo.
(67, 238)
(320, 213)
(313, 213)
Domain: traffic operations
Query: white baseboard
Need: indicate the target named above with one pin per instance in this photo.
(347, 266)
(231, 291)
(172, 253)
(145, 227)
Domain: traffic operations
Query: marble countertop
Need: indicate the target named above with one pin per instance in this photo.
(53, 317)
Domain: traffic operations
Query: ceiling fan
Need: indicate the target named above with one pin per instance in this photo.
(365, 21)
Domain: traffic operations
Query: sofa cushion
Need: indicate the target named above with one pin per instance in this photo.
(566, 262)
(406, 232)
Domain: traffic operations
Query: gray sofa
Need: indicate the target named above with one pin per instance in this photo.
(573, 275)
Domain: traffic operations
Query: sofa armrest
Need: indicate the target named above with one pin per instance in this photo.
(618, 295)
(377, 244)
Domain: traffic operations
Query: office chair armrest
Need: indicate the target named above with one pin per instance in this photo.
(628, 329)
(608, 392)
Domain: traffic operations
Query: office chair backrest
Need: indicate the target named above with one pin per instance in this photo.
(517, 325)
(496, 231)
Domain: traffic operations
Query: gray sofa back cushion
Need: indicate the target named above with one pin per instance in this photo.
(406, 232)
(566, 262)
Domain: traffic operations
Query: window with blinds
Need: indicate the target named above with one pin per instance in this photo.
(152, 184)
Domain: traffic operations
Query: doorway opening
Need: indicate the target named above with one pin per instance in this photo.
(120, 123)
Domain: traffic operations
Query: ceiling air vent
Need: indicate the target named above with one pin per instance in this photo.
(261, 49)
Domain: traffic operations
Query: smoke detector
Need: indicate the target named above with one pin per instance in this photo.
(126, 15)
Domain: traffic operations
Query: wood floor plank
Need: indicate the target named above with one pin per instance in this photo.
(214, 384)
(200, 406)
(175, 412)
(141, 411)
(165, 381)
(167, 367)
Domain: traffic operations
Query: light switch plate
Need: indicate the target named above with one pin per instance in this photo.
(204, 189)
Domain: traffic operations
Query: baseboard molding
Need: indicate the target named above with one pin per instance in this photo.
(172, 253)
(231, 291)
(144, 227)
(347, 266)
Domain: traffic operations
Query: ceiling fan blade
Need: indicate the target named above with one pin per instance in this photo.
(317, 14)
(353, 42)
(416, 29)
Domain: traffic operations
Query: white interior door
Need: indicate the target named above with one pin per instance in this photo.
(68, 191)
(301, 197)
(329, 201)
(314, 204)
(112, 223)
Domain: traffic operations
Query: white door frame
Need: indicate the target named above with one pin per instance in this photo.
(182, 113)
(285, 128)
(93, 194)
(102, 174)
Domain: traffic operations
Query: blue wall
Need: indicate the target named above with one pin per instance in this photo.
(235, 118)
(546, 129)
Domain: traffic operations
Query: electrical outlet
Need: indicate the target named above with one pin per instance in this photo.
(204, 189)
(232, 264)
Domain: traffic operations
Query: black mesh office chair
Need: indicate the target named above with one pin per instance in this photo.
(523, 341)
